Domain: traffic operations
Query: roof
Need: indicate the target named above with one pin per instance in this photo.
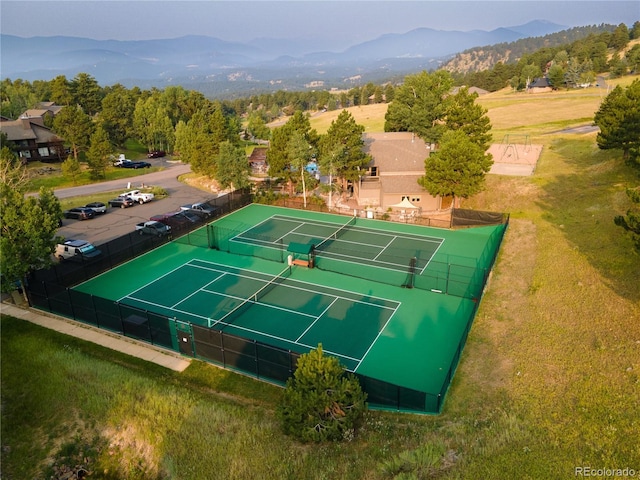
(541, 82)
(404, 184)
(26, 129)
(396, 152)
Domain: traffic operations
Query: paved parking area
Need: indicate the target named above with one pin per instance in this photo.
(118, 221)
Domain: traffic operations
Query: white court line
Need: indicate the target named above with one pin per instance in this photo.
(375, 259)
(199, 290)
(313, 287)
(375, 340)
(317, 318)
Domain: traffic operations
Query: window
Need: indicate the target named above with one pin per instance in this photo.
(25, 153)
(43, 151)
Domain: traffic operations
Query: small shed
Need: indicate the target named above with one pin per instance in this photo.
(298, 249)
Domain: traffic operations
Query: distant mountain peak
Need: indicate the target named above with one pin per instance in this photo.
(196, 59)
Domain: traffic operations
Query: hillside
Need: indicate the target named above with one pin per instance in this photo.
(485, 57)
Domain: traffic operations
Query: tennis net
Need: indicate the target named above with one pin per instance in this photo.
(253, 298)
(335, 235)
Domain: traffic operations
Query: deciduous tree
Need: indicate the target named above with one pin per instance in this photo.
(29, 224)
(418, 105)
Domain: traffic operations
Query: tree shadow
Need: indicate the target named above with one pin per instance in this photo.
(582, 204)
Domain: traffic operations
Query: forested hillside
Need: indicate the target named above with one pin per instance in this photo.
(577, 51)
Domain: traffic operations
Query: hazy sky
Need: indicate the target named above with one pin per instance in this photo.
(332, 23)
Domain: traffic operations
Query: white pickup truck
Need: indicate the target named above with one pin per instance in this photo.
(138, 196)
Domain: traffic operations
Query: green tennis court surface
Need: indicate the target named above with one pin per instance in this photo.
(355, 302)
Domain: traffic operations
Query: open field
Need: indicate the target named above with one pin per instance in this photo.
(549, 379)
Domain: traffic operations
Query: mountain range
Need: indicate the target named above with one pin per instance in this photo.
(220, 68)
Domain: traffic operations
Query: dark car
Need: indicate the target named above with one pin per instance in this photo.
(201, 209)
(173, 219)
(135, 165)
(191, 216)
(97, 207)
(79, 213)
(156, 154)
(122, 202)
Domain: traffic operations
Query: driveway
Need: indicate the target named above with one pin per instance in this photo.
(117, 221)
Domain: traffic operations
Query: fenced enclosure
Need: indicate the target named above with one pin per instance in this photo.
(446, 298)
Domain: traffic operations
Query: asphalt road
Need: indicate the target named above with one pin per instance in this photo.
(119, 221)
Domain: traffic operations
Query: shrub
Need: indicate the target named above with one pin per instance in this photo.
(321, 401)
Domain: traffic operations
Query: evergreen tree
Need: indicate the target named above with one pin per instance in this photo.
(71, 169)
(462, 113)
(86, 93)
(232, 166)
(61, 91)
(457, 169)
(321, 402)
(346, 134)
(99, 154)
(75, 127)
(619, 121)
(631, 222)
(116, 115)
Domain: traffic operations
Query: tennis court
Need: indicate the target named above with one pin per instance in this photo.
(393, 302)
(277, 310)
(348, 243)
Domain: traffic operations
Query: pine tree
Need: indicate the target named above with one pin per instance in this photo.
(619, 121)
(320, 401)
(457, 169)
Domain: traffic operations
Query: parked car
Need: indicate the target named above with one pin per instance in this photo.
(153, 227)
(97, 207)
(138, 196)
(191, 216)
(173, 219)
(79, 213)
(121, 202)
(156, 154)
(77, 250)
(120, 161)
(131, 164)
(202, 209)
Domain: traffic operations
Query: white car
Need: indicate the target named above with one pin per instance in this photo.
(138, 196)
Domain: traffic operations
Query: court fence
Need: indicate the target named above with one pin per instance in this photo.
(129, 246)
(51, 290)
(448, 274)
(213, 345)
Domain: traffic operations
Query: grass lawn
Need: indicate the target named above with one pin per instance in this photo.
(548, 381)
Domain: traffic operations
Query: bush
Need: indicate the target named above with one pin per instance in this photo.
(321, 401)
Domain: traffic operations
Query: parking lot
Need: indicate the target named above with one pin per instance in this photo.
(120, 221)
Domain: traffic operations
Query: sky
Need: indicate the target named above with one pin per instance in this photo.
(331, 23)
